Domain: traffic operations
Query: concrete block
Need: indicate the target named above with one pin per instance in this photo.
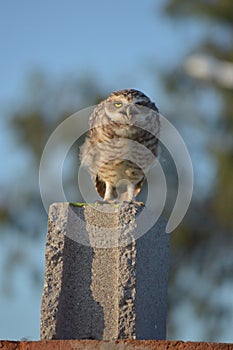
(104, 279)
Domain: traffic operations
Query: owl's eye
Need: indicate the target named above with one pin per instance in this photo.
(139, 104)
(118, 104)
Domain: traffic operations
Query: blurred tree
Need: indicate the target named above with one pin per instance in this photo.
(46, 103)
(201, 95)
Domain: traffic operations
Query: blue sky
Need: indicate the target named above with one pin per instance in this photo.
(114, 40)
(119, 43)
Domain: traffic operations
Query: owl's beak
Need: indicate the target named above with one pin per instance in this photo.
(130, 112)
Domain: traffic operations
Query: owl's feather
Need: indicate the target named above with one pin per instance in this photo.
(122, 143)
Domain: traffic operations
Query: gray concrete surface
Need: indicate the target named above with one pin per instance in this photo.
(102, 281)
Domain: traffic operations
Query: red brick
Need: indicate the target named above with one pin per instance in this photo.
(111, 345)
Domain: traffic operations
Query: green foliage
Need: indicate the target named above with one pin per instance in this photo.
(46, 103)
(218, 10)
(204, 240)
(79, 205)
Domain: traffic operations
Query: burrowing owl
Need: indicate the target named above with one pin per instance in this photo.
(122, 144)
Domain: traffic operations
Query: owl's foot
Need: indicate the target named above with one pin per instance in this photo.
(140, 204)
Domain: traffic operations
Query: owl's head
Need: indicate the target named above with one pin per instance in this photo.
(129, 106)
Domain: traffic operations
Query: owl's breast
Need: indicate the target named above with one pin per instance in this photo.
(122, 159)
(119, 152)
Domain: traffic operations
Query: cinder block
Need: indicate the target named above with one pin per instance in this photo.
(104, 279)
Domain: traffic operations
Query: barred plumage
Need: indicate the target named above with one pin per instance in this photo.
(122, 144)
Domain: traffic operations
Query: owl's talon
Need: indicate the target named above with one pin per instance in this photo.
(140, 204)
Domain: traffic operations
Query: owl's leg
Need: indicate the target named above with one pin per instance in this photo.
(108, 196)
(130, 192)
(128, 195)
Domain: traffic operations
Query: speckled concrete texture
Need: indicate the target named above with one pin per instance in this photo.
(101, 280)
(112, 345)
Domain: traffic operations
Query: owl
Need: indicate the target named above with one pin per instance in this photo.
(122, 144)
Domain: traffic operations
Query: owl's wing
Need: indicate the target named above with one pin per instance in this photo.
(95, 118)
(100, 186)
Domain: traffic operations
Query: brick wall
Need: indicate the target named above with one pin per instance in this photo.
(111, 345)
